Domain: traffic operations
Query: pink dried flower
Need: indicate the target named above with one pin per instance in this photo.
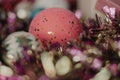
(78, 14)
(110, 11)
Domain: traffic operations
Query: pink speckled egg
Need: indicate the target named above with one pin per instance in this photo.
(55, 25)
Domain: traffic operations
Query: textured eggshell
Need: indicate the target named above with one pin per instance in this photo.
(48, 65)
(6, 71)
(63, 66)
(55, 25)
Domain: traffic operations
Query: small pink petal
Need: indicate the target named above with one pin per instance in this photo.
(78, 14)
(97, 64)
(15, 78)
(106, 9)
(77, 52)
(112, 12)
(114, 69)
(43, 77)
(3, 77)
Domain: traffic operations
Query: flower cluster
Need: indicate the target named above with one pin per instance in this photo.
(94, 56)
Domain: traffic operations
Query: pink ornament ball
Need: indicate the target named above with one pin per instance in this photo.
(55, 25)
